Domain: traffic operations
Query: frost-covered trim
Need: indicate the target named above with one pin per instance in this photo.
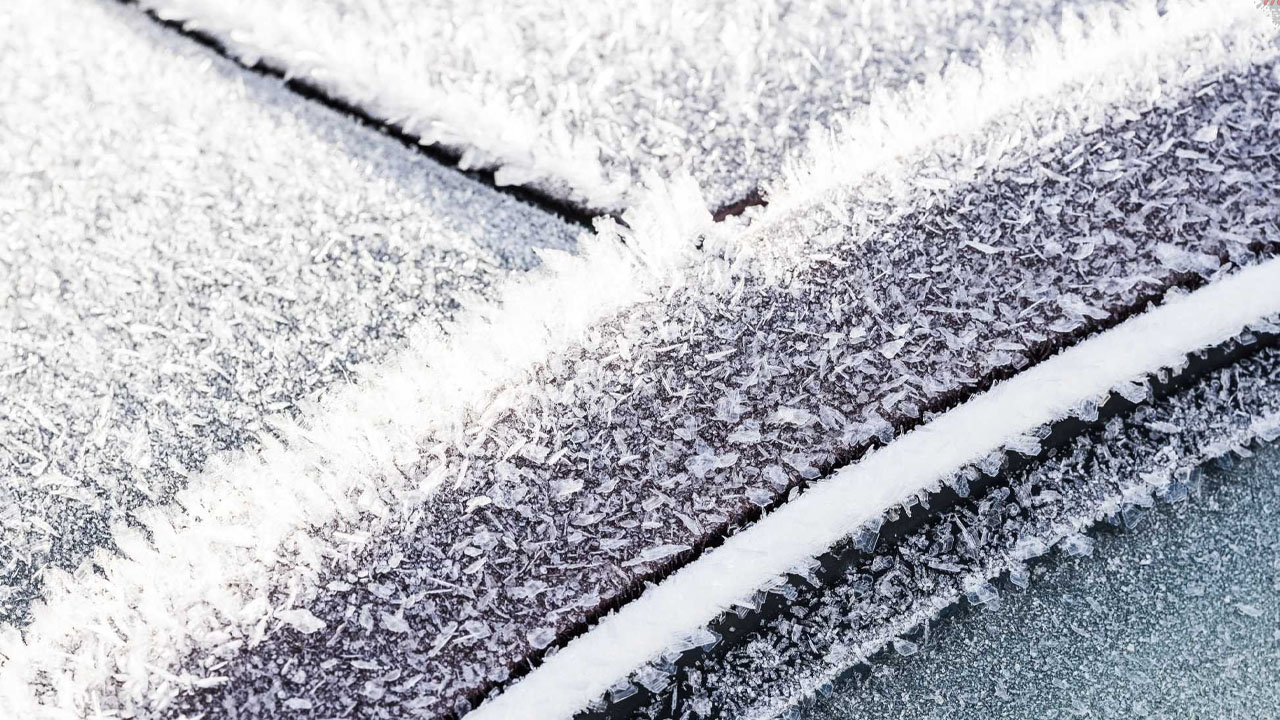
(246, 543)
(978, 587)
(484, 134)
(1070, 79)
(917, 462)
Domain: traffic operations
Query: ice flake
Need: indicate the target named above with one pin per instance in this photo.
(653, 679)
(1020, 576)
(776, 476)
(1028, 548)
(1133, 391)
(730, 408)
(477, 502)
(1248, 610)
(395, 623)
(701, 464)
(1024, 444)
(1206, 134)
(791, 416)
(891, 349)
(1167, 428)
(622, 690)
(983, 594)
(1074, 305)
(866, 538)
(748, 433)
(1186, 261)
(568, 487)
(655, 553)
(1076, 545)
(301, 620)
(981, 247)
(541, 637)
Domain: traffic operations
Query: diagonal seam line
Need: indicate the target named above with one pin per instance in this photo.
(1163, 337)
(447, 157)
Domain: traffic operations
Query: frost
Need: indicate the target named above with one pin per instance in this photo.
(1076, 545)
(395, 623)
(541, 637)
(747, 434)
(1252, 611)
(1028, 548)
(655, 553)
(616, 394)
(791, 416)
(301, 620)
(1206, 134)
(399, 62)
(1182, 260)
(1071, 489)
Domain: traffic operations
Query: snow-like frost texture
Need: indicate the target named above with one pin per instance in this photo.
(581, 99)
(190, 258)
(799, 653)
(253, 534)
(790, 317)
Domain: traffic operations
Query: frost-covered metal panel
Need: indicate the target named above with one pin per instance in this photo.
(494, 492)
(775, 358)
(1098, 595)
(189, 256)
(583, 99)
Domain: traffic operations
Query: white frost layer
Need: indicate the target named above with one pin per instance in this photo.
(245, 543)
(248, 539)
(213, 248)
(582, 97)
(917, 462)
(1014, 102)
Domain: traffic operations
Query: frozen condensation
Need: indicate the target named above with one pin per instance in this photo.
(584, 99)
(189, 258)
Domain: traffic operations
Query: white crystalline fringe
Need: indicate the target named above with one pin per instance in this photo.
(1078, 74)
(241, 548)
(489, 134)
(917, 462)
